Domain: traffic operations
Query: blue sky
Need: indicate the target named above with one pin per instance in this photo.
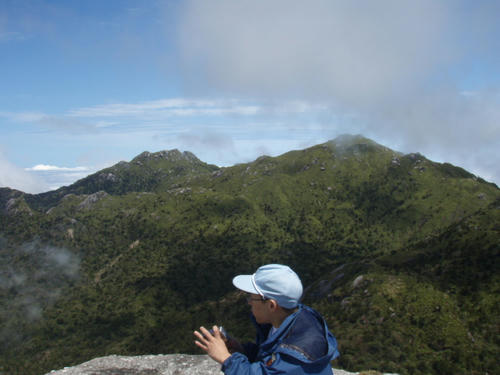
(85, 84)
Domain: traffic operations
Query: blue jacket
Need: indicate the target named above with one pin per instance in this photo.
(301, 345)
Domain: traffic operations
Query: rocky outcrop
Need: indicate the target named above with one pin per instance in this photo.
(107, 177)
(171, 155)
(15, 206)
(91, 200)
(170, 364)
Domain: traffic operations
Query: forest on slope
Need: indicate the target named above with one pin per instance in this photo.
(398, 252)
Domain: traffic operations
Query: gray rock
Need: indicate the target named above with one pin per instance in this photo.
(357, 281)
(169, 364)
(217, 173)
(10, 204)
(92, 199)
(17, 205)
(108, 177)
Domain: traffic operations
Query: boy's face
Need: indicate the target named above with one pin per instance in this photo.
(260, 308)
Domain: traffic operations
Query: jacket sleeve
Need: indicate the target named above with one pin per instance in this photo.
(238, 364)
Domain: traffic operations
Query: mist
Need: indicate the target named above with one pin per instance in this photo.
(33, 277)
(16, 178)
(401, 71)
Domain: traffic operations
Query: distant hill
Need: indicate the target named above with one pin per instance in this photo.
(146, 172)
(400, 254)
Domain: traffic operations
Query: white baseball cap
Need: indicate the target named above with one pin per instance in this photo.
(273, 281)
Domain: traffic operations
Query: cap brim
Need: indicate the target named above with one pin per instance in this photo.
(244, 283)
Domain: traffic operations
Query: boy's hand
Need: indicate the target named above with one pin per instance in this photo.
(213, 345)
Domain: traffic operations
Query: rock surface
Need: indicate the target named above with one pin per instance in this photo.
(170, 364)
(92, 199)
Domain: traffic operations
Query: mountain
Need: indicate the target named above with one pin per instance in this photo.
(146, 172)
(397, 251)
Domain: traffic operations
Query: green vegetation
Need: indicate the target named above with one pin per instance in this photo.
(399, 253)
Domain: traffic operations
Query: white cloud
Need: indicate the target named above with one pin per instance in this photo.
(166, 108)
(54, 177)
(16, 178)
(39, 178)
(350, 52)
(47, 168)
(393, 70)
(63, 123)
(23, 116)
(68, 124)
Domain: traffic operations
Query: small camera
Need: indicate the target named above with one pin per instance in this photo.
(222, 331)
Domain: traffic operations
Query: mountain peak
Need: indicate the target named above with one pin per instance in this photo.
(345, 141)
(171, 155)
(349, 139)
(348, 144)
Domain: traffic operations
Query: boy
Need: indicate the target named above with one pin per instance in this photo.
(291, 338)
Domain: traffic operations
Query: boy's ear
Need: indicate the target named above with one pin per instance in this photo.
(273, 305)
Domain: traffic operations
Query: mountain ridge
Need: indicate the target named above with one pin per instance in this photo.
(343, 144)
(145, 172)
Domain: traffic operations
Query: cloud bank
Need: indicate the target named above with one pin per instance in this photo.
(46, 168)
(16, 178)
(402, 69)
(352, 52)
